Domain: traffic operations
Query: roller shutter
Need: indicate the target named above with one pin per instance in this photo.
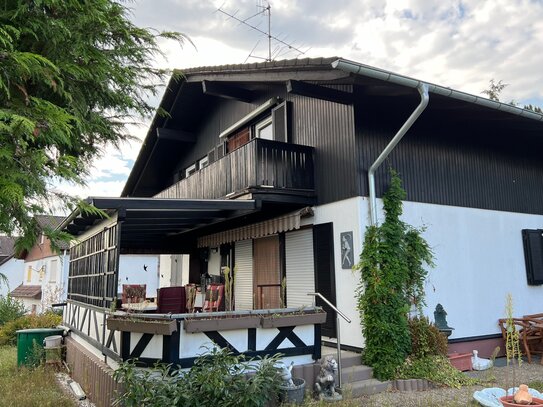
(299, 267)
(243, 283)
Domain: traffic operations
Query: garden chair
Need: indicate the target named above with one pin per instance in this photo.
(133, 293)
(529, 335)
(172, 300)
(214, 297)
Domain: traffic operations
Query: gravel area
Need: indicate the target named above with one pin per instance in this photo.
(63, 382)
(496, 377)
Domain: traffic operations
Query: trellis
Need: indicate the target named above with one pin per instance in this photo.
(93, 268)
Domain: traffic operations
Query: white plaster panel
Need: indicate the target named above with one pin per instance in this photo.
(132, 271)
(153, 349)
(479, 258)
(345, 216)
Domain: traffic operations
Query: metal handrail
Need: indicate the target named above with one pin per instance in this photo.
(341, 314)
(338, 314)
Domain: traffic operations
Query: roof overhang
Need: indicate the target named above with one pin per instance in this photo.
(147, 221)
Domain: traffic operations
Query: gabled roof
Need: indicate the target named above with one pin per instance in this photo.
(49, 221)
(52, 222)
(327, 70)
(27, 291)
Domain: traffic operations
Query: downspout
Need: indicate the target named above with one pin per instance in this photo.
(423, 90)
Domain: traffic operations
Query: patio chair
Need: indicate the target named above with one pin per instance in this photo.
(172, 299)
(133, 293)
(214, 297)
(190, 293)
(529, 335)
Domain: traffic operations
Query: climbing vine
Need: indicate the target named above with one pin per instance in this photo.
(392, 276)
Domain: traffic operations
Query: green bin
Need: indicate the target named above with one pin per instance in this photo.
(26, 338)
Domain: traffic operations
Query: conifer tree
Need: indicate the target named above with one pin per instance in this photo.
(72, 73)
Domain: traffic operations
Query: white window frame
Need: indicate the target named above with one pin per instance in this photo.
(190, 170)
(263, 124)
(203, 162)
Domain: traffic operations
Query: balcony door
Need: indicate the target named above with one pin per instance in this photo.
(267, 272)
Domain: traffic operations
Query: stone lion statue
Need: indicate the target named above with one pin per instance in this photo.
(325, 381)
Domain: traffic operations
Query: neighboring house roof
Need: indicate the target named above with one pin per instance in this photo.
(27, 291)
(52, 222)
(6, 245)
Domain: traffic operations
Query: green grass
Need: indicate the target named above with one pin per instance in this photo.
(28, 387)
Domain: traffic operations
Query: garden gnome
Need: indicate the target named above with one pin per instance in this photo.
(522, 396)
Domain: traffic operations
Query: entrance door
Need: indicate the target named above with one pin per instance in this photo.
(267, 273)
(325, 282)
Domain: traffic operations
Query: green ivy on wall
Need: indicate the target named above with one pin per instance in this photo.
(392, 276)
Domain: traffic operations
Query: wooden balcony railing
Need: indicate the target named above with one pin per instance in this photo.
(258, 164)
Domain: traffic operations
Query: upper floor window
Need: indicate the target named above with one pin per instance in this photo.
(203, 162)
(190, 170)
(263, 129)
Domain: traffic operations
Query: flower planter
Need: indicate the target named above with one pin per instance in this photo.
(304, 318)
(141, 325)
(221, 323)
(461, 361)
(507, 401)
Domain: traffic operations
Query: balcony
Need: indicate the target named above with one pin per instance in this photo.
(262, 167)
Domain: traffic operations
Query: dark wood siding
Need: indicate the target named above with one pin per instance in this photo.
(450, 158)
(329, 127)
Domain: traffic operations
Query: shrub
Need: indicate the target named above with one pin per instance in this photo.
(46, 320)
(217, 376)
(10, 309)
(437, 369)
(426, 339)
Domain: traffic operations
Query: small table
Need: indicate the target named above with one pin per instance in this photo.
(145, 306)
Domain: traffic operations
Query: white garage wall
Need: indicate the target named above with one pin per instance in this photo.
(132, 271)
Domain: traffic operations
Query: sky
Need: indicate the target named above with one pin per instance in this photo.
(459, 44)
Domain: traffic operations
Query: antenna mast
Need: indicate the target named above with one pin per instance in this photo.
(265, 10)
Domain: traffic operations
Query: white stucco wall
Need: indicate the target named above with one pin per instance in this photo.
(132, 271)
(13, 270)
(345, 216)
(479, 258)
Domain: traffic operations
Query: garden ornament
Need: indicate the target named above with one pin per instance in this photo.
(479, 363)
(440, 317)
(286, 375)
(325, 383)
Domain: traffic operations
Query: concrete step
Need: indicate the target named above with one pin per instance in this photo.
(365, 387)
(355, 373)
(349, 359)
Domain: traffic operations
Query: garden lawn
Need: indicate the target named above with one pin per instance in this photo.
(26, 387)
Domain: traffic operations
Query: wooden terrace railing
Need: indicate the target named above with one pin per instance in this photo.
(258, 164)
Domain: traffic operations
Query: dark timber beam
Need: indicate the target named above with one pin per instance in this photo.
(228, 91)
(161, 204)
(175, 135)
(319, 92)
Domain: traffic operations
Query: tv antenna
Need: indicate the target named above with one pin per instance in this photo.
(264, 9)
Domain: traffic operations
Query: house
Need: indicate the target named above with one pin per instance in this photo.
(268, 169)
(45, 273)
(10, 267)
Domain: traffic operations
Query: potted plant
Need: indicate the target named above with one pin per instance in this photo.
(206, 322)
(521, 396)
(301, 317)
(157, 326)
